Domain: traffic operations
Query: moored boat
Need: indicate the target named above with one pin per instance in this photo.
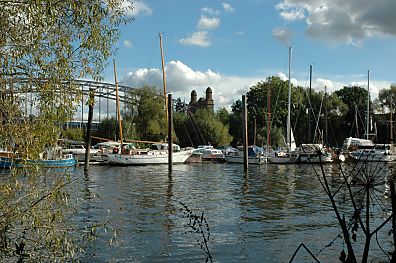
(64, 162)
(374, 153)
(256, 155)
(78, 151)
(157, 154)
(313, 153)
(283, 157)
(207, 153)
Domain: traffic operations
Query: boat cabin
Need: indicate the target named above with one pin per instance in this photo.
(164, 147)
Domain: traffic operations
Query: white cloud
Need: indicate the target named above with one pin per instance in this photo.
(205, 23)
(128, 44)
(227, 7)
(342, 21)
(181, 80)
(200, 38)
(210, 11)
(321, 83)
(290, 12)
(283, 35)
(139, 8)
(347, 81)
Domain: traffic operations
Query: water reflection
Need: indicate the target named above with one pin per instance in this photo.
(260, 215)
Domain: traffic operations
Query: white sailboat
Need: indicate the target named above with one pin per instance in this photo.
(367, 151)
(157, 153)
(289, 155)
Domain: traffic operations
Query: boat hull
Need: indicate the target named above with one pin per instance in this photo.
(7, 163)
(251, 159)
(314, 158)
(146, 159)
(282, 160)
(357, 157)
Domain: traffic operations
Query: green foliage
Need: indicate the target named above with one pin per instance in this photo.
(387, 99)
(274, 93)
(223, 115)
(213, 130)
(75, 134)
(201, 128)
(48, 44)
(150, 120)
(257, 104)
(355, 98)
(108, 129)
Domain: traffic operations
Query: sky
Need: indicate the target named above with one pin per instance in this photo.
(232, 45)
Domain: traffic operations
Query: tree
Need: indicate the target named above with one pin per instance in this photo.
(46, 44)
(201, 128)
(355, 98)
(108, 129)
(74, 134)
(257, 104)
(387, 99)
(151, 115)
(223, 115)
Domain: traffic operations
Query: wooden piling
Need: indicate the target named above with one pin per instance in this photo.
(170, 124)
(91, 103)
(393, 200)
(244, 131)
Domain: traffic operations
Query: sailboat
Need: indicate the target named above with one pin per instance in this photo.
(315, 151)
(288, 156)
(364, 149)
(156, 154)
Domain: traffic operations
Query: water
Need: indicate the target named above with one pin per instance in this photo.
(261, 216)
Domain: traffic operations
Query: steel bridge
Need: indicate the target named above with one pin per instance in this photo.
(104, 92)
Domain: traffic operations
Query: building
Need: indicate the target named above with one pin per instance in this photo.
(201, 103)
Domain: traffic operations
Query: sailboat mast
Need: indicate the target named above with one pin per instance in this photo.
(368, 105)
(289, 107)
(269, 113)
(118, 103)
(163, 76)
(326, 127)
(309, 101)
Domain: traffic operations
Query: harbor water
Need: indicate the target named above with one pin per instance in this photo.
(262, 215)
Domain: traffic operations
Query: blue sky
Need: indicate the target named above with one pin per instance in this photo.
(231, 45)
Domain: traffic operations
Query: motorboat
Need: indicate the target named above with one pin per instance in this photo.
(51, 158)
(78, 151)
(256, 155)
(374, 153)
(281, 156)
(313, 153)
(207, 153)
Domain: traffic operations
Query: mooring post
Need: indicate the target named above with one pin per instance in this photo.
(91, 102)
(170, 124)
(244, 131)
(393, 200)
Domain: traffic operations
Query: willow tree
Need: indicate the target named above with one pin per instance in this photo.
(44, 45)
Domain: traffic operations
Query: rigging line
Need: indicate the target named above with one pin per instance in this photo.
(296, 121)
(153, 49)
(273, 115)
(195, 127)
(150, 59)
(188, 134)
(317, 121)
